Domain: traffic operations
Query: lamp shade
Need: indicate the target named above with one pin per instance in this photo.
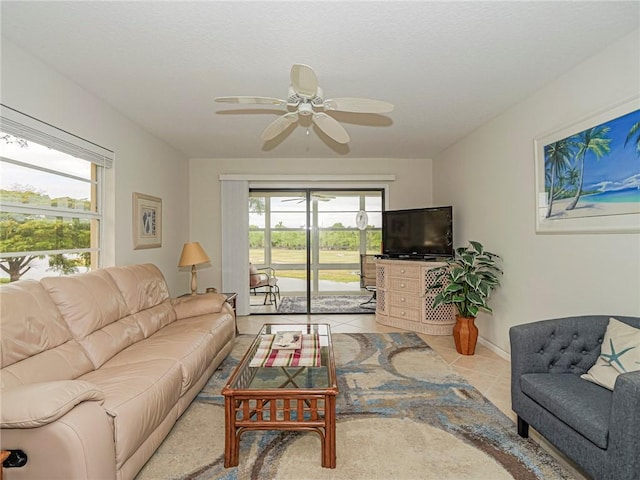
(192, 254)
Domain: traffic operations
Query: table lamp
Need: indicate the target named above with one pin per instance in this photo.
(193, 254)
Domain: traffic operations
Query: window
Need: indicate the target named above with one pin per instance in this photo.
(51, 198)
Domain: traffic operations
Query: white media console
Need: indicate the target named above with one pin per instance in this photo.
(404, 301)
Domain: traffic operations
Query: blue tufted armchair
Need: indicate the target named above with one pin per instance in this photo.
(597, 428)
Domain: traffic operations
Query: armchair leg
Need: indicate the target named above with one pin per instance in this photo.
(271, 296)
(523, 428)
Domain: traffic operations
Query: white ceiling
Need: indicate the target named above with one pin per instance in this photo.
(448, 67)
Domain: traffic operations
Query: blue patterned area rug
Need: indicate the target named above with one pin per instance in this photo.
(328, 304)
(402, 413)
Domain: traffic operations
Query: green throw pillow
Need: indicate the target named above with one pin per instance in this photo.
(620, 353)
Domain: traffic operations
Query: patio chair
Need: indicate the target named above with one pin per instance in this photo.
(264, 279)
(368, 278)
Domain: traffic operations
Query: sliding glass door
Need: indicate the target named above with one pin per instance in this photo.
(312, 240)
(278, 247)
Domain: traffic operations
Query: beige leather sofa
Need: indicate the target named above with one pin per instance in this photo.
(97, 368)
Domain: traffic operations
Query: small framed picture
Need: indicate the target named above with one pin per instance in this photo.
(147, 221)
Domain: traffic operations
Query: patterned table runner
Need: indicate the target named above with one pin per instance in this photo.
(306, 356)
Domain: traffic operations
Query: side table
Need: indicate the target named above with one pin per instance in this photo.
(231, 300)
(3, 457)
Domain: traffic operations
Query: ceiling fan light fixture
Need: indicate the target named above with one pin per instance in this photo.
(305, 109)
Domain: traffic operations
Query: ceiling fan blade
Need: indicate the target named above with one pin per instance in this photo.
(331, 127)
(304, 80)
(358, 105)
(251, 100)
(279, 125)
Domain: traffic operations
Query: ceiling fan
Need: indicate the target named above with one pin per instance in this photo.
(306, 99)
(314, 196)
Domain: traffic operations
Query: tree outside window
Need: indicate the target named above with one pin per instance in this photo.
(49, 211)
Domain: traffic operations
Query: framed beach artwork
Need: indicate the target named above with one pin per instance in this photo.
(588, 174)
(147, 221)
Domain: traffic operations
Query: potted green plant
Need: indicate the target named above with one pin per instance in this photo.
(466, 282)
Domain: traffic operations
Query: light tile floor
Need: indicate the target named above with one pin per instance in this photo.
(486, 370)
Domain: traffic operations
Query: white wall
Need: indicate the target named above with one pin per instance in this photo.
(489, 178)
(143, 163)
(411, 189)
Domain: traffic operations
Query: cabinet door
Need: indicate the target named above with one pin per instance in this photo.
(382, 306)
(381, 276)
(429, 278)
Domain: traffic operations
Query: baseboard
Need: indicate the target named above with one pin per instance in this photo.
(495, 349)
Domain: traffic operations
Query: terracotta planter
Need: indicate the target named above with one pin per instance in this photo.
(465, 334)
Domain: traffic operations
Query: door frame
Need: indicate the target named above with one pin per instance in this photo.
(312, 234)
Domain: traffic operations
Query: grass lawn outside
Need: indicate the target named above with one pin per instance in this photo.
(282, 258)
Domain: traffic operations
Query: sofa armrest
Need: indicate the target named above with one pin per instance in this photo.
(78, 445)
(624, 426)
(194, 305)
(38, 404)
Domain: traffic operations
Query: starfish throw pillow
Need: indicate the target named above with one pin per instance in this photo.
(620, 353)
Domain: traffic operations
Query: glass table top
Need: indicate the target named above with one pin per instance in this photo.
(322, 376)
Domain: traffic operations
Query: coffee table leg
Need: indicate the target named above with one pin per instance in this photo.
(231, 435)
(329, 446)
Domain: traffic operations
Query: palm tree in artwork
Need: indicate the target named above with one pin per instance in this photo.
(567, 181)
(573, 177)
(557, 157)
(593, 140)
(634, 131)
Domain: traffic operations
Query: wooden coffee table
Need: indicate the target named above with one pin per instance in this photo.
(283, 397)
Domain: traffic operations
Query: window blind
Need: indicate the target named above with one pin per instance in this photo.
(235, 241)
(23, 126)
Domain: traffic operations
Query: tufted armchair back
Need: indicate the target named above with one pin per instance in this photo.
(569, 346)
(563, 345)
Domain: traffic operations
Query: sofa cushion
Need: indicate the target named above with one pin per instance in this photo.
(87, 301)
(137, 397)
(36, 344)
(254, 276)
(142, 286)
(582, 405)
(188, 342)
(620, 353)
(30, 321)
(154, 318)
(90, 302)
(96, 313)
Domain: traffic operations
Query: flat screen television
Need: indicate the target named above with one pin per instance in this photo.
(423, 233)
